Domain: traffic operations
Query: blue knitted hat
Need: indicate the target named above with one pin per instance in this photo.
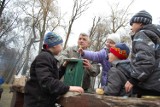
(141, 17)
(51, 39)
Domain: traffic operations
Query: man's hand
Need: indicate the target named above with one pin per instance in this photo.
(128, 86)
(87, 64)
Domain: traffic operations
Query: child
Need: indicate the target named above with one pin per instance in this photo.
(44, 85)
(101, 56)
(120, 70)
(145, 57)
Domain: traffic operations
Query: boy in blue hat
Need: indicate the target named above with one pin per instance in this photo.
(44, 85)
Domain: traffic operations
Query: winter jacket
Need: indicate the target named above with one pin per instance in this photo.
(102, 58)
(44, 85)
(145, 59)
(118, 75)
(71, 52)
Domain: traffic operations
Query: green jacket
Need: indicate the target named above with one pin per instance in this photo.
(93, 72)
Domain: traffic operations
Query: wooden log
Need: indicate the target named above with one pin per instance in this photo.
(94, 100)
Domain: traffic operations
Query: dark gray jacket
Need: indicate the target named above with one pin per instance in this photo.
(145, 59)
(118, 75)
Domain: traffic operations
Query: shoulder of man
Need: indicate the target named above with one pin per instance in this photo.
(71, 48)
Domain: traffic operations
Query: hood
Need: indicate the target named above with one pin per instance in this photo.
(153, 28)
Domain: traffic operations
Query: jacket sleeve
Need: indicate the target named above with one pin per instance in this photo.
(95, 56)
(143, 57)
(61, 71)
(48, 76)
(95, 70)
(115, 83)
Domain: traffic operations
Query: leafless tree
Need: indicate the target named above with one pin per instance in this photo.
(41, 17)
(79, 7)
(94, 26)
(35, 18)
(3, 4)
(116, 20)
(8, 19)
(97, 33)
(8, 59)
(119, 16)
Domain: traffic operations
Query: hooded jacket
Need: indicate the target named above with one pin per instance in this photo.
(145, 59)
(118, 75)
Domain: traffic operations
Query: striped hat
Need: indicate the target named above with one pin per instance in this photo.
(52, 39)
(141, 17)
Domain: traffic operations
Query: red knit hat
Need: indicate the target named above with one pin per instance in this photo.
(120, 50)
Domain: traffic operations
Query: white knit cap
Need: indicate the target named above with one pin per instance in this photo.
(114, 37)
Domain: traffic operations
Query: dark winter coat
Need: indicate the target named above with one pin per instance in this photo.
(145, 59)
(44, 85)
(118, 75)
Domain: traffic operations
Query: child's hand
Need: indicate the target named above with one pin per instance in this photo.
(128, 86)
(76, 89)
(80, 50)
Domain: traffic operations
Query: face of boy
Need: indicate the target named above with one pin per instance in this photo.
(57, 49)
(83, 41)
(135, 27)
(112, 57)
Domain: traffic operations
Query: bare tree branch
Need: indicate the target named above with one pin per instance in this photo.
(79, 7)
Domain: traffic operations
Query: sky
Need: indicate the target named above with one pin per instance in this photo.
(99, 8)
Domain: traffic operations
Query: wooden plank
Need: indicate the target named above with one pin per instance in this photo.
(94, 100)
